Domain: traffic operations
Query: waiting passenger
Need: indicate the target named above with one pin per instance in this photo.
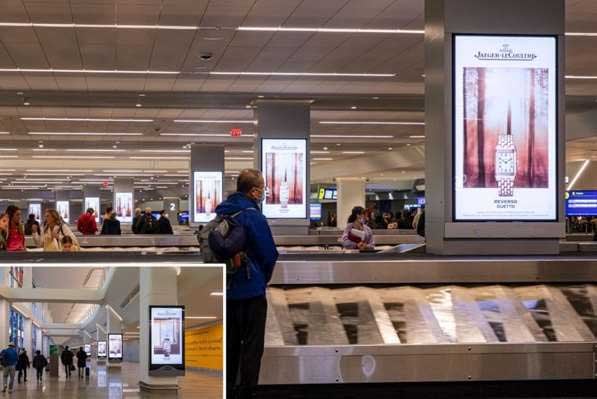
(164, 226)
(4, 222)
(53, 231)
(16, 233)
(68, 245)
(136, 219)
(29, 225)
(81, 362)
(39, 364)
(111, 225)
(148, 223)
(86, 223)
(421, 222)
(357, 235)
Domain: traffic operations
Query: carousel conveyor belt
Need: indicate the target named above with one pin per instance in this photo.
(374, 318)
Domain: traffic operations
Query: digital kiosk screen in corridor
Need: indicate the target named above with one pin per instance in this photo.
(505, 128)
(101, 349)
(115, 346)
(166, 337)
(284, 170)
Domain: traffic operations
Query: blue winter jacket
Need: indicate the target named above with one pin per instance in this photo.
(10, 356)
(260, 248)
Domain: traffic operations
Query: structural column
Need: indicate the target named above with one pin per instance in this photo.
(494, 126)
(351, 193)
(158, 286)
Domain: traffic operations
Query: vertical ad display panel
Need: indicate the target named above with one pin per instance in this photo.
(93, 202)
(166, 336)
(283, 163)
(115, 346)
(101, 348)
(207, 195)
(505, 128)
(35, 209)
(123, 206)
(63, 209)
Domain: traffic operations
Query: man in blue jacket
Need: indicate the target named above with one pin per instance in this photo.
(9, 359)
(246, 304)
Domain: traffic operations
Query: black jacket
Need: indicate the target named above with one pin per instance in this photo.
(148, 224)
(67, 357)
(135, 225)
(111, 227)
(29, 227)
(23, 362)
(81, 359)
(164, 226)
(40, 362)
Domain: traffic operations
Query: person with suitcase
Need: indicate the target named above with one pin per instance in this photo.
(39, 364)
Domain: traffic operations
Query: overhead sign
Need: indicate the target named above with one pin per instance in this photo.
(283, 164)
(114, 346)
(236, 132)
(207, 195)
(505, 128)
(166, 345)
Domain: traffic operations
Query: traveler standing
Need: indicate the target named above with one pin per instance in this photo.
(148, 223)
(66, 357)
(136, 220)
(81, 362)
(86, 223)
(111, 225)
(39, 364)
(8, 360)
(4, 222)
(16, 233)
(29, 225)
(421, 222)
(357, 235)
(246, 302)
(164, 226)
(53, 231)
(22, 365)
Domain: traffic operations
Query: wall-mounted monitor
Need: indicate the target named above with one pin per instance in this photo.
(505, 128)
(315, 211)
(207, 195)
(581, 203)
(166, 340)
(101, 349)
(283, 163)
(35, 209)
(114, 346)
(94, 203)
(123, 206)
(63, 209)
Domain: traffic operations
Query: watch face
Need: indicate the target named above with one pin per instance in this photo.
(505, 165)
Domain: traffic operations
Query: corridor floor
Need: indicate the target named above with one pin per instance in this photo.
(114, 384)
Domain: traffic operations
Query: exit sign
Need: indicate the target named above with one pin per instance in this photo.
(236, 132)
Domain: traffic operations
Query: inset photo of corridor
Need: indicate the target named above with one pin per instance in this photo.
(96, 331)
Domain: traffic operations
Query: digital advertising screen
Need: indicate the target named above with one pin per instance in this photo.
(123, 206)
(505, 128)
(166, 336)
(87, 349)
(101, 348)
(93, 202)
(284, 170)
(115, 346)
(315, 211)
(35, 209)
(207, 195)
(581, 203)
(63, 209)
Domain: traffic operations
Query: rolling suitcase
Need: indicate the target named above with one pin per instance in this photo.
(87, 371)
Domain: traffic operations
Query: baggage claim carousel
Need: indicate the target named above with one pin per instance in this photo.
(338, 323)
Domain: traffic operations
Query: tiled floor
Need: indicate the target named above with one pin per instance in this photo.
(115, 384)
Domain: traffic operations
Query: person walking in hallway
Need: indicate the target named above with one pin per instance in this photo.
(22, 365)
(39, 364)
(81, 362)
(8, 360)
(246, 303)
(67, 361)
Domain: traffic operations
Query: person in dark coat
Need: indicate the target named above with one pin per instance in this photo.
(164, 226)
(81, 362)
(39, 364)
(29, 225)
(66, 357)
(111, 225)
(22, 365)
(147, 223)
(246, 303)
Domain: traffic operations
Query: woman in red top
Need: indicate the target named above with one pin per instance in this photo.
(16, 234)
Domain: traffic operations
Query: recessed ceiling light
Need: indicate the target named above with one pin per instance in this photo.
(304, 74)
(26, 103)
(375, 98)
(325, 148)
(353, 107)
(390, 148)
(138, 105)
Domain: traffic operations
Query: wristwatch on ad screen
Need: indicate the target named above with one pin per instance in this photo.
(505, 162)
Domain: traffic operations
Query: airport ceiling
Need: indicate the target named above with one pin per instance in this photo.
(135, 72)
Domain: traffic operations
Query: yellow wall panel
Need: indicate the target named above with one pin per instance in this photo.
(204, 347)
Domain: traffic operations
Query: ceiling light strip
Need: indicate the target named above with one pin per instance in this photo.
(82, 134)
(89, 71)
(329, 30)
(305, 74)
(43, 118)
(247, 121)
(371, 123)
(345, 136)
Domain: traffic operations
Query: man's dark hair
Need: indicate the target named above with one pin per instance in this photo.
(109, 209)
(90, 210)
(247, 180)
